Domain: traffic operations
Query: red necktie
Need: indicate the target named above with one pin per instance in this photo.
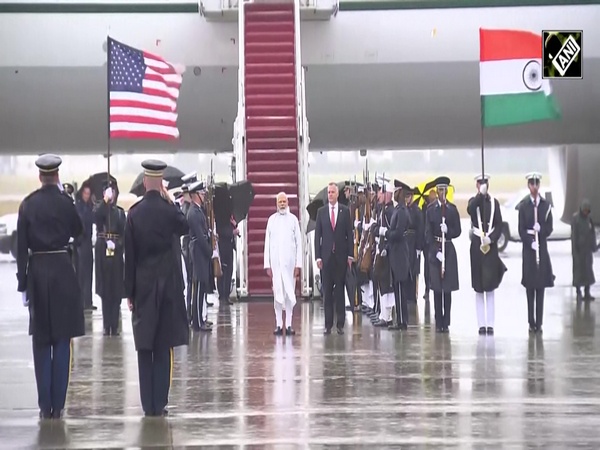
(333, 226)
(332, 218)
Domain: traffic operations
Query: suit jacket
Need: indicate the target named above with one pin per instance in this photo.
(342, 236)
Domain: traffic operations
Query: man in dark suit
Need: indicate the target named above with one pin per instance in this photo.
(335, 253)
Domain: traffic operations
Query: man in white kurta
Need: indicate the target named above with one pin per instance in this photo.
(283, 259)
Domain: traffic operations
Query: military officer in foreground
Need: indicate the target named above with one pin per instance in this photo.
(442, 225)
(46, 278)
(535, 226)
(153, 289)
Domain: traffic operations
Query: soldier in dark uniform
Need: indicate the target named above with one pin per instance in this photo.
(85, 209)
(47, 280)
(227, 232)
(442, 224)
(110, 229)
(535, 226)
(414, 238)
(583, 246)
(185, 242)
(367, 285)
(382, 272)
(398, 253)
(202, 252)
(487, 269)
(152, 288)
(431, 198)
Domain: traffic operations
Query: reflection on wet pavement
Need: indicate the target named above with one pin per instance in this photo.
(242, 387)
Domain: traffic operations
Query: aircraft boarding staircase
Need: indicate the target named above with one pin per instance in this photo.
(270, 133)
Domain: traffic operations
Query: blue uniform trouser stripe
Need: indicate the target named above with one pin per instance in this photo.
(52, 365)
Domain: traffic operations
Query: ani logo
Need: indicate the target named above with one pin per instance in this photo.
(563, 54)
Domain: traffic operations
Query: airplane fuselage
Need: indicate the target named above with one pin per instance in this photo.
(394, 79)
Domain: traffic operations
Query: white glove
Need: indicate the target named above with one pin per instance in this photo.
(440, 256)
(486, 240)
(382, 231)
(24, 299)
(367, 225)
(108, 193)
(384, 253)
(377, 240)
(110, 245)
(356, 223)
(536, 227)
(215, 254)
(483, 188)
(534, 246)
(71, 240)
(444, 228)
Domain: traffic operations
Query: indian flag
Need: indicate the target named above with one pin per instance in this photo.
(512, 88)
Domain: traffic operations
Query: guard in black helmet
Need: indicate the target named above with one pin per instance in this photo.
(442, 225)
(152, 287)
(46, 278)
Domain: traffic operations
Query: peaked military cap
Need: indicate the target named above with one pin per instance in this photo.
(190, 178)
(198, 186)
(388, 187)
(400, 185)
(48, 163)
(533, 177)
(482, 178)
(442, 181)
(154, 168)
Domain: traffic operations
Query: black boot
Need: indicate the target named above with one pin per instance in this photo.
(579, 296)
(588, 295)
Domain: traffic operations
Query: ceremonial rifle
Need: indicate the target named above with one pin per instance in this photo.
(216, 260)
(444, 237)
(537, 241)
(368, 239)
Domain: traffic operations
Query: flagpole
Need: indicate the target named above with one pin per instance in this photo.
(108, 122)
(108, 106)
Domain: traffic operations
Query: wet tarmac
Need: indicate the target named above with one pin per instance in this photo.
(241, 387)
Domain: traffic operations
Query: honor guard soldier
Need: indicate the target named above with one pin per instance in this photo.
(487, 269)
(442, 224)
(188, 179)
(414, 238)
(46, 223)
(398, 253)
(382, 272)
(152, 288)
(110, 229)
(535, 226)
(201, 254)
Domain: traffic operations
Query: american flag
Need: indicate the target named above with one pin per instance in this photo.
(143, 94)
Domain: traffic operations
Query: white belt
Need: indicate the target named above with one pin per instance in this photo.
(532, 232)
(477, 232)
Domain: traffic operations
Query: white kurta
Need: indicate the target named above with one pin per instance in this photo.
(283, 253)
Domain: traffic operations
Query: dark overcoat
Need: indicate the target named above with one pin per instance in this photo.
(110, 269)
(201, 248)
(536, 276)
(433, 236)
(583, 246)
(47, 221)
(487, 270)
(152, 276)
(382, 270)
(398, 245)
(414, 238)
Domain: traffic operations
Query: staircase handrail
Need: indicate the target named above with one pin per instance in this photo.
(303, 142)
(239, 144)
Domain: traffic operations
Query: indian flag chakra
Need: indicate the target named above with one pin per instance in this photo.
(512, 88)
